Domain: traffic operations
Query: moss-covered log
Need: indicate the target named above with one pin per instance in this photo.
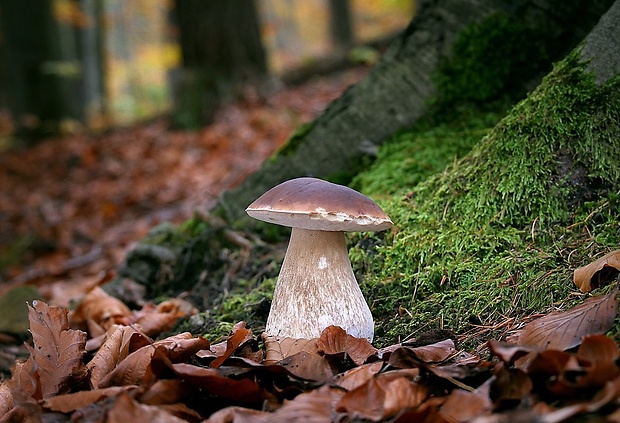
(522, 39)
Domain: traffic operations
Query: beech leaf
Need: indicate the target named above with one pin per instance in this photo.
(564, 330)
(598, 273)
(334, 340)
(239, 336)
(276, 349)
(58, 351)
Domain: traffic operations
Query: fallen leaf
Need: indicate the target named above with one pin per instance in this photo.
(162, 317)
(58, 351)
(564, 330)
(509, 385)
(509, 353)
(126, 409)
(239, 415)
(358, 376)
(380, 399)
(464, 406)
(314, 406)
(239, 336)
(210, 380)
(6, 398)
(135, 369)
(70, 402)
(308, 366)
(98, 311)
(334, 340)
(598, 273)
(120, 342)
(435, 353)
(166, 391)
(276, 349)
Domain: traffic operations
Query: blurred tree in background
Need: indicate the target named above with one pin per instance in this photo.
(221, 48)
(72, 64)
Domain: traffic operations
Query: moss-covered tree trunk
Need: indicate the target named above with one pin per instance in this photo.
(497, 235)
(396, 92)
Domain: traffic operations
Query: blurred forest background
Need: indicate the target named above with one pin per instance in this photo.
(73, 65)
(116, 116)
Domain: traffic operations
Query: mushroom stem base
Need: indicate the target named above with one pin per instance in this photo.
(317, 288)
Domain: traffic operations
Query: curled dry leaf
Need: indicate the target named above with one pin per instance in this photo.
(99, 311)
(162, 317)
(239, 336)
(598, 273)
(334, 340)
(119, 343)
(58, 351)
(564, 330)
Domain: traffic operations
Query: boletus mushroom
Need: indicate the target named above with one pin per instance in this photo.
(316, 287)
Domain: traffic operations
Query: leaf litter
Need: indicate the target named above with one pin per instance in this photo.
(257, 378)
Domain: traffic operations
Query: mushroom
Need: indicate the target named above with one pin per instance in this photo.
(316, 287)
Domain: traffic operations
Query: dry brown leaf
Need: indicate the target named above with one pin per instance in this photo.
(563, 330)
(314, 406)
(509, 353)
(435, 353)
(157, 319)
(380, 399)
(120, 341)
(510, 384)
(133, 370)
(58, 351)
(308, 366)
(166, 391)
(334, 340)
(25, 380)
(598, 273)
(6, 398)
(70, 402)
(99, 311)
(464, 406)
(126, 410)
(239, 415)
(239, 336)
(358, 376)
(182, 346)
(276, 349)
(210, 380)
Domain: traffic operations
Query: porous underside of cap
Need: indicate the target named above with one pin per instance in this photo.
(311, 203)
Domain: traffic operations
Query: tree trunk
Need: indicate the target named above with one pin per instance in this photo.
(221, 48)
(340, 24)
(398, 90)
(44, 70)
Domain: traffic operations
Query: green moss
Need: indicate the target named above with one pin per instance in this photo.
(294, 141)
(493, 59)
(497, 234)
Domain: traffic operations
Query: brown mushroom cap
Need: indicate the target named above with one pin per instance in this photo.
(314, 204)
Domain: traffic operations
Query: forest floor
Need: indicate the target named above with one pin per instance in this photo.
(70, 207)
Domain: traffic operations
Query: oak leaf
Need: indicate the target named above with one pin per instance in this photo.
(564, 330)
(58, 351)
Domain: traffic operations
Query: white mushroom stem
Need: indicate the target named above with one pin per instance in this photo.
(316, 288)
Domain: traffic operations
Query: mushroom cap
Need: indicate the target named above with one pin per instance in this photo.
(315, 204)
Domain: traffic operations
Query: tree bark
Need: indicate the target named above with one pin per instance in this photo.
(340, 24)
(397, 91)
(44, 69)
(220, 47)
